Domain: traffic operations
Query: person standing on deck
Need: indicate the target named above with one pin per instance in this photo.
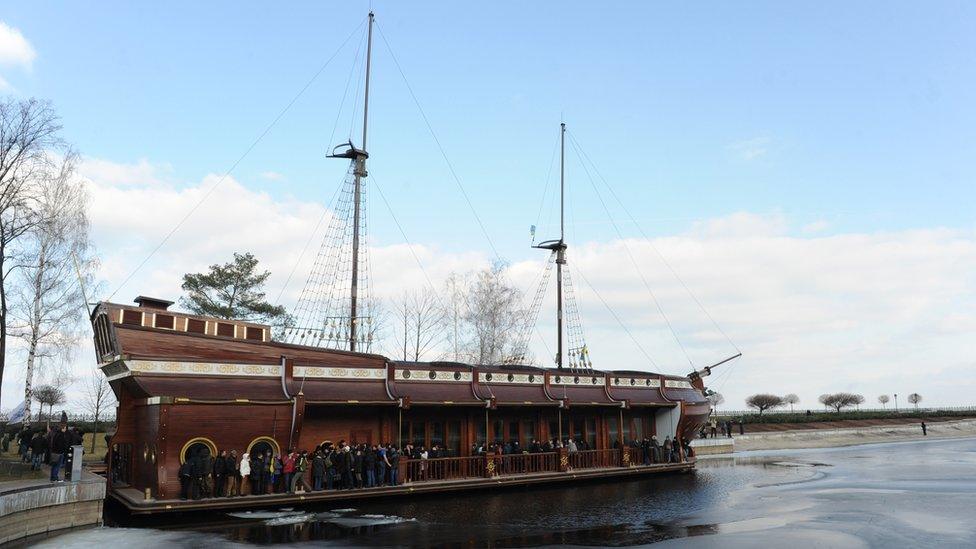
(219, 473)
(245, 470)
(318, 470)
(288, 468)
(655, 450)
(277, 474)
(233, 474)
(298, 477)
(330, 468)
(369, 466)
(382, 464)
(393, 456)
(186, 479)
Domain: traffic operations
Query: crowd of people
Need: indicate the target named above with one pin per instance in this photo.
(713, 425)
(42, 446)
(327, 467)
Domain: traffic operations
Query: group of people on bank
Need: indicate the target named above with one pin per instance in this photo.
(713, 425)
(45, 446)
(327, 467)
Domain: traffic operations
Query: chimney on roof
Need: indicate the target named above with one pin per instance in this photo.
(152, 302)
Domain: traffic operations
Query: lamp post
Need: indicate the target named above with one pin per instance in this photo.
(896, 403)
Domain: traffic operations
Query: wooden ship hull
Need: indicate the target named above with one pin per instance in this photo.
(183, 380)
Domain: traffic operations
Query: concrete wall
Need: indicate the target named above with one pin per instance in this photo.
(712, 446)
(28, 509)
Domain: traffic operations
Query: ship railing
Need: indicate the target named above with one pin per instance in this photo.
(420, 470)
(522, 464)
(589, 459)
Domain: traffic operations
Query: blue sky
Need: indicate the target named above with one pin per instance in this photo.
(861, 114)
(807, 168)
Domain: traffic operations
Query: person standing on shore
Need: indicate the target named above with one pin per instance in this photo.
(59, 445)
(713, 426)
(925, 431)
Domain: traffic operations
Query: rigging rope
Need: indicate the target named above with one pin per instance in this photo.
(440, 147)
(653, 247)
(236, 163)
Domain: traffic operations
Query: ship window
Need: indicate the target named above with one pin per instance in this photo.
(647, 382)
(594, 380)
(165, 321)
(224, 329)
(576, 380)
(198, 447)
(488, 376)
(254, 333)
(531, 378)
(406, 374)
(511, 377)
(432, 374)
(131, 318)
(457, 376)
(263, 445)
(196, 326)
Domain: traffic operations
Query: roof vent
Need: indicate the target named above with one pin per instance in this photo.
(152, 302)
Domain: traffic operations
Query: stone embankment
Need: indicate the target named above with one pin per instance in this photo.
(849, 436)
(34, 507)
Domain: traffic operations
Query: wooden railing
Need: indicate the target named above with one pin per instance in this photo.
(519, 464)
(491, 465)
(417, 470)
(588, 459)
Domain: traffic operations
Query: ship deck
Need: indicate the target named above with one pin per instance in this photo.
(135, 503)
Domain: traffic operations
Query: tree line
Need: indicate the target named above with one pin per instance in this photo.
(838, 401)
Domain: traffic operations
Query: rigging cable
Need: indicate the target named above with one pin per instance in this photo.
(440, 147)
(630, 255)
(653, 247)
(237, 162)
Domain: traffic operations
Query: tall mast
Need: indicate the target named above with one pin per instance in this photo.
(561, 246)
(359, 174)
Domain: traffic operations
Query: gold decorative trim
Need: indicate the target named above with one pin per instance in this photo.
(269, 440)
(204, 440)
(677, 384)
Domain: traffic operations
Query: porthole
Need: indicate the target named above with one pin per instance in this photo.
(647, 382)
(511, 377)
(594, 380)
(406, 374)
(199, 446)
(576, 380)
(488, 376)
(432, 374)
(616, 381)
(633, 381)
(457, 376)
(531, 378)
(559, 379)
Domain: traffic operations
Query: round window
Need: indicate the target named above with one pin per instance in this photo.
(406, 374)
(511, 377)
(593, 380)
(576, 380)
(531, 378)
(457, 376)
(432, 374)
(633, 381)
(647, 382)
(558, 379)
(616, 381)
(488, 376)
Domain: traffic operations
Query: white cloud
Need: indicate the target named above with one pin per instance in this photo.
(751, 149)
(815, 227)
(15, 50)
(868, 312)
(272, 176)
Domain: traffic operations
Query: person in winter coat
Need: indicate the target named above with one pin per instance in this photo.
(369, 464)
(233, 472)
(245, 470)
(318, 470)
(257, 473)
(219, 473)
(58, 447)
(288, 469)
(186, 479)
(277, 475)
(655, 450)
(38, 447)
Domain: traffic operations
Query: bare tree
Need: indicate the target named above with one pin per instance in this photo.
(715, 398)
(883, 400)
(51, 396)
(915, 398)
(29, 142)
(492, 315)
(419, 318)
(98, 397)
(791, 399)
(764, 401)
(840, 400)
(48, 302)
(858, 401)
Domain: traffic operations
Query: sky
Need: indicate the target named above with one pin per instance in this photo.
(804, 172)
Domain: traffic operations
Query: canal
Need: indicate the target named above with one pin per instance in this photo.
(913, 494)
